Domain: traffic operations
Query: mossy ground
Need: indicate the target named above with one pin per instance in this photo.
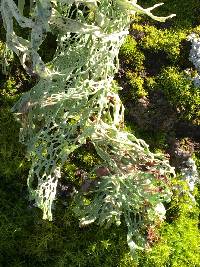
(153, 60)
(155, 56)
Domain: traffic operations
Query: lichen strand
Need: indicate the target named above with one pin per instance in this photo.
(76, 100)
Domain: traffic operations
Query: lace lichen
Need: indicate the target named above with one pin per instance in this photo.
(76, 100)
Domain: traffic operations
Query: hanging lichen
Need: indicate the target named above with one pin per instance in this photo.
(76, 100)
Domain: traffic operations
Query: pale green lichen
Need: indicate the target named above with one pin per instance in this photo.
(76, 100)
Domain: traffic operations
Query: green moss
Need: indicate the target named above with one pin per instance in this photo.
(136, 83)
(180, 92)
(12, 158)
(168, 40)
(150, 83)
(9, 88)
(27, 240)
(132, 56)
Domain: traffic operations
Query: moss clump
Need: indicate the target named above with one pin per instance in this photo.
(132, 57)
(160, 56)
(180, 92)
(167, 40)
(136, 84)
